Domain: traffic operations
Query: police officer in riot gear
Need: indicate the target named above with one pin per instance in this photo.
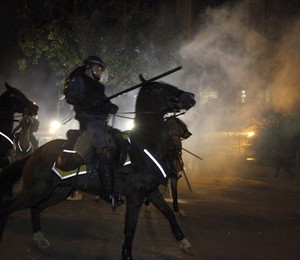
(87, 95)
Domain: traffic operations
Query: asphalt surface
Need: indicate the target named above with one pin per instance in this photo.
(242, 214)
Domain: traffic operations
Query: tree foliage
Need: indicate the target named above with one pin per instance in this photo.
(64, 32)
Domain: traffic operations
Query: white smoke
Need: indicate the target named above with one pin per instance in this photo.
(228, 54)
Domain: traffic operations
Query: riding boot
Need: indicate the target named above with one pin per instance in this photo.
(106, 173)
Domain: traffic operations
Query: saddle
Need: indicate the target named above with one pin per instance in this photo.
(67, 159)
(72, 161)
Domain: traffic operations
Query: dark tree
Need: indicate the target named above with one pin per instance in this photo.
(128, 35)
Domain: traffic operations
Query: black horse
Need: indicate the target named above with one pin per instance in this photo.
(11, 101)
(42, 188)
(24, 139)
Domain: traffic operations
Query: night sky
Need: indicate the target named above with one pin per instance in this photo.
(8, 33)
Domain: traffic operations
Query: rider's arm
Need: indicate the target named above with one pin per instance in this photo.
(75, 92)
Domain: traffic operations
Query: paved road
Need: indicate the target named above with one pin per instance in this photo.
(233, 216)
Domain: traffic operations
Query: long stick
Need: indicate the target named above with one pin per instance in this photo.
(187, 180)
(192, 154)
(145, 82)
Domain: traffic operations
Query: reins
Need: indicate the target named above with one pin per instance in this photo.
(9, 119)
(132, 113)
(68, 118)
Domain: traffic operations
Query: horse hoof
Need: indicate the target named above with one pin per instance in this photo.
(127, 258)
(40, 241)
(126, 255)
(181, 213)
(186, 246)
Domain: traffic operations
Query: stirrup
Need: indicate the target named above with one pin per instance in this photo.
(114, 200)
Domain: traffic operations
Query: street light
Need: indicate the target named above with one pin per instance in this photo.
(55, 125)
(250, 134)
(129, 125)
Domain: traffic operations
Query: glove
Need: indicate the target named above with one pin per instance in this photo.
(112, 108)
(95, 103)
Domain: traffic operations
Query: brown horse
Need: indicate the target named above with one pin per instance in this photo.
(148, 140)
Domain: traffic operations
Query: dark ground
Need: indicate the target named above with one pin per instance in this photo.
(253, 216)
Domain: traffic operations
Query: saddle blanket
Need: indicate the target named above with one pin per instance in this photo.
(68, 174)
(75, 172)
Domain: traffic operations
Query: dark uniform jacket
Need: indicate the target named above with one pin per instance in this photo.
(87, 96)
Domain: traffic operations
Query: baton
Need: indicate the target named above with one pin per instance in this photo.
(187, 180)
(192, 154)
(144, 82)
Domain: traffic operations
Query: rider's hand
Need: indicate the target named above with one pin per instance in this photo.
(112, 108)
(95, 103)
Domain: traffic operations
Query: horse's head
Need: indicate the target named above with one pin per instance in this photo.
(164, 98)
(21, 104)
(177, 127)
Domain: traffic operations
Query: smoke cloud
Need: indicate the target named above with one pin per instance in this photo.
(226, 55)
(286, 77)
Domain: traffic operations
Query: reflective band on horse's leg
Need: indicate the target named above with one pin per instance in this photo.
(156, 162)
(68, 151)
(20, 148)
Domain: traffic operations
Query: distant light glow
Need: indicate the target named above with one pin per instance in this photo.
(250, 134)
(54, 126)
(130, 125)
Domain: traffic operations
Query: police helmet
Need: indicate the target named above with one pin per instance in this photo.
(94, 60)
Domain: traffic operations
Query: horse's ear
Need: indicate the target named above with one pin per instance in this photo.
(7, 86)
(142, 78)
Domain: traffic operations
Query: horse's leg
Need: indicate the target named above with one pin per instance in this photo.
(58, 194)
(133, 206)
(174, 183)
(22, 201)
(4, 214)
(10, 206)
(8, 177)
(159, 202)
(174, 191)
(4, 162)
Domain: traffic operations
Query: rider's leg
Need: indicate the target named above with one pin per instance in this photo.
(106, 172)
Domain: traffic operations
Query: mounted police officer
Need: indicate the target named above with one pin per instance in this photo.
(177, 130)
(84, 91)
(32, 124)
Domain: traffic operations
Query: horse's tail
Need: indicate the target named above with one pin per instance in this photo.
(9, 176)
